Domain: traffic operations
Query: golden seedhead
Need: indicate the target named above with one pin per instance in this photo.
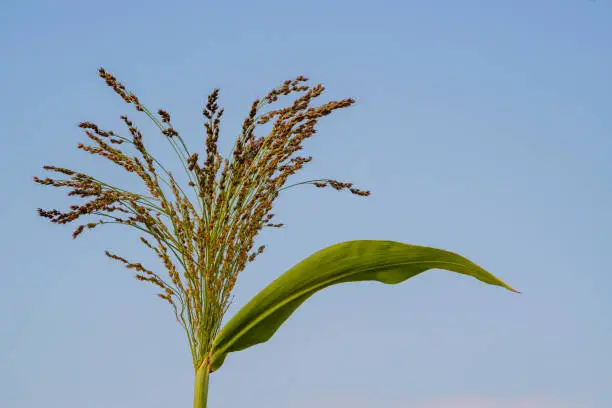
(204, 245)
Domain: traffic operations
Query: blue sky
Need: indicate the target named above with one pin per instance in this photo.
(481, 127)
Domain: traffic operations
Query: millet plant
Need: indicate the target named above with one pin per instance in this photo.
(204, 243)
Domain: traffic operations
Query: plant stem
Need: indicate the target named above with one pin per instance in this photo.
(201, 385)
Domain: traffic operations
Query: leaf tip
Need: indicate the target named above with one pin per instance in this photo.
(511, 289)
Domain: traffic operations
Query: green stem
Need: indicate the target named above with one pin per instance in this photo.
(201, 385)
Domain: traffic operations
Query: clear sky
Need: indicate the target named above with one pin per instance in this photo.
(481, 127)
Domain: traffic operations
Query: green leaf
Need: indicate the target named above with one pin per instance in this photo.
(352, 261)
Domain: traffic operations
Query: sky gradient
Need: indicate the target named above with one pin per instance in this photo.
(481, 127)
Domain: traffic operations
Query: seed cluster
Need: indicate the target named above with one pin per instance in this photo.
(204, 244)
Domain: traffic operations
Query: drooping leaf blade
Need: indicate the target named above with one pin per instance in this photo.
(352, 261)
